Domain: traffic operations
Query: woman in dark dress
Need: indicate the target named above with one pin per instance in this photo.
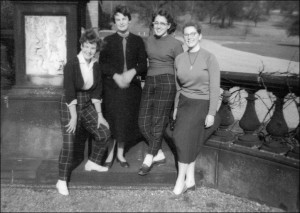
(123, 59)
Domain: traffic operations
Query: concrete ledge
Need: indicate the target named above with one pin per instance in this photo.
(244, 172)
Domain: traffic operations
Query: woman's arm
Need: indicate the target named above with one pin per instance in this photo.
(214, 90)
(101, 119)
(178, 88)
(73, 121)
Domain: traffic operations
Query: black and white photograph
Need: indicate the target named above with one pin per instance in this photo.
(150, 106)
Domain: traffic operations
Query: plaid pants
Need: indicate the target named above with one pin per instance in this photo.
(72, 152)
(155, 107)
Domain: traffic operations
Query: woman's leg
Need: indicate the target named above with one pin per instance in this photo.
(101, 139)
(160, 156)
(120, 151)
(165, 91)
(111, 148)
(145, 115)
(180, 186)
(146, 109)
(190, 175)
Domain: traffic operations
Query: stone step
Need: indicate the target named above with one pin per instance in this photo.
(41, 171)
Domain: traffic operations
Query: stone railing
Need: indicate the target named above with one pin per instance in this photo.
(272, 136)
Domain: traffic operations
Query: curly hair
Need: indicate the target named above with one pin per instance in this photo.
(192, 24)
(121, 9)
(168, 16)
(92, 36)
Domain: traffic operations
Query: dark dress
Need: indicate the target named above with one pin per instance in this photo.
(121, 106)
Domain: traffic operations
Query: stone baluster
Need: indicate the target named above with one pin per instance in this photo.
(277, 127)
(227, 119)
(249, 122)
(296, 149)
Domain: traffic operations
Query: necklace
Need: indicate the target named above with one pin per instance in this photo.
(191, 67)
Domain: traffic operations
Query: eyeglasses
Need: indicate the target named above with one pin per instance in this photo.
(160, 23)
(190, 35)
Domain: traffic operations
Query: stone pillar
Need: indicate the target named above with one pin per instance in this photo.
(227, 119)
(30, 120)
(249, 122)
(277, 127)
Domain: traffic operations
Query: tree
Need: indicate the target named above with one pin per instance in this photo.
(254, 11)
(290, 9)
(229, 10)
(212, 8)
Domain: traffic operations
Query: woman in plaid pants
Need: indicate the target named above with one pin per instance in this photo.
(160, 89)
(80, 111)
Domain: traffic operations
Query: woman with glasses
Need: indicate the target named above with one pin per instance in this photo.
(196, 102)
(160, 89)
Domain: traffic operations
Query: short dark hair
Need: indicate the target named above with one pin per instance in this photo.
(192, 24)
(123, 10)
(168, 16)
(92, 36)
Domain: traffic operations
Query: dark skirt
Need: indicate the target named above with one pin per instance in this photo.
(190, 133)
(121, 109)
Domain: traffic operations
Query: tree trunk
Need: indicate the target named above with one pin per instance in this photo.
(222, 22)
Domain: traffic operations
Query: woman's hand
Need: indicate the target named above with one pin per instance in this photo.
(101, 120)
(72, 125)
(174, 114)
(120, 81)
(128, 75)
(209, 121)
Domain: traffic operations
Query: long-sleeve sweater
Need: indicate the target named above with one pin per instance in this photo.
(161, 54)
(112, 57)
(200, 82)
(73, 81)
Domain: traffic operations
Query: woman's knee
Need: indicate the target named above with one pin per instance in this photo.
(103, 134)
(142, 126)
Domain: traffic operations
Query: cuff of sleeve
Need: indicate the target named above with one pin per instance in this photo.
(74, 102)
(94, 101)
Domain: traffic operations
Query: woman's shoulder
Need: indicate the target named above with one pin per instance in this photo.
(110, 37)
(174, 39)
(208, 56)
(207, 52)
(181, 56)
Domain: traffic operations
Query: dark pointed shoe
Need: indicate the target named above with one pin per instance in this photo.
(159, 162)
(191, 188)
(123, 164)
(144, 170)
(108, 164)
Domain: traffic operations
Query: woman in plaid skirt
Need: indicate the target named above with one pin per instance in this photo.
(81, 114)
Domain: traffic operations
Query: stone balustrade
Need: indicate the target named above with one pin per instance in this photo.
(275, 136)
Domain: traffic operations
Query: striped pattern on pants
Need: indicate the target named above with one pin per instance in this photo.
(155, 107)
(72, 152)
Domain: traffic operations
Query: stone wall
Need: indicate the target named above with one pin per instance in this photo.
(92, 14)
